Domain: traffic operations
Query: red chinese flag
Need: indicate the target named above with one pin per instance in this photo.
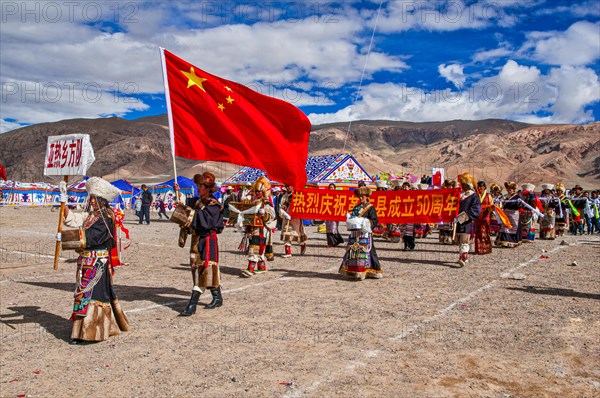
(2, 172)
(216, 119)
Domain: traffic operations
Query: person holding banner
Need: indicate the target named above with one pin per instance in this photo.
(469, 210)
(205, 221)
(360, 260)
(408, 230)
(260, 244)
(96, 306)
(511, 236)
(445, 229)
(332, 228)
(293, 228)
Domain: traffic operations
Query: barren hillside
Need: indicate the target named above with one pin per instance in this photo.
(494, 150)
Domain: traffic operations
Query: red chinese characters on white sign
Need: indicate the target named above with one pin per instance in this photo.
(65, 154)
(68, 155)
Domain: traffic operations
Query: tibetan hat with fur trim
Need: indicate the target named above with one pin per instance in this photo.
(560, 187)
(511, 185)
(262, 184)
(207, 179)
(495, 188)
(101, 188)
(467, 179)
(362, 191)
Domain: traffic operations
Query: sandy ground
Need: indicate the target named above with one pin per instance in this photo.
(426, 330)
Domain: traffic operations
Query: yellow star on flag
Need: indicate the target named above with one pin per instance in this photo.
(221, 107)
(194, 79)
(229, 99)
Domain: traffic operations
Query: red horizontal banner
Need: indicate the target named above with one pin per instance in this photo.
(393, 207)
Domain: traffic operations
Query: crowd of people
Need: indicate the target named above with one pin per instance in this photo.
(259, 210)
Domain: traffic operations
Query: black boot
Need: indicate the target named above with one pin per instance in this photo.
(217, 300)
(191, 308)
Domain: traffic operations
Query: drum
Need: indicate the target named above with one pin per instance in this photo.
(182, 215)
(354, 223)
(70, 240)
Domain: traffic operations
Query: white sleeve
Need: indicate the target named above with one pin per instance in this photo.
(75, 220)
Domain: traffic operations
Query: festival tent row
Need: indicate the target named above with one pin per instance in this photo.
(166, 191)
(45, 194)
(340, 169)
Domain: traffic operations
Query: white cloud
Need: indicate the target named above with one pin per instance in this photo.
(578, 45)
(453, 73)
(447, 15)
(578, 87)
(491, 55)
(6, 126)
(516, 92)
(70, 55)
(578, 9)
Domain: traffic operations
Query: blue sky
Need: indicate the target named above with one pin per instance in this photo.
(534, 61)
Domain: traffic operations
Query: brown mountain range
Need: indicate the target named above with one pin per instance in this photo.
(493, 150)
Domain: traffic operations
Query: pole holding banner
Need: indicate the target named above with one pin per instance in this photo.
(61, 215)
(67, 155)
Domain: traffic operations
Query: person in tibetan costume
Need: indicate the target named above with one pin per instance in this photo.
(563, 211)
(528, 216)
(334, 237)
(511, 236)
(483, 241)
(260, 240)
(495, 222)
(393, 232)
(181, 214)
(380, 229)
(469, 210)
(445, 228)
(550, 204)
(96, 307)
(422, 230)
(205, 221)
(360, 260)
(407, 230)
(579, 202)
(293, 228)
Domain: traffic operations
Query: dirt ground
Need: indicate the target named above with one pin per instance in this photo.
(426, 329)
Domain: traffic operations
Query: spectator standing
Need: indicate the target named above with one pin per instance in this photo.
(146, 197)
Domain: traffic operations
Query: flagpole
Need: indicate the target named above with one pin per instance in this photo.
(169, 114)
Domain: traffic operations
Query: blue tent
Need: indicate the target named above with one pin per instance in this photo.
(186, 185)
(125, 187)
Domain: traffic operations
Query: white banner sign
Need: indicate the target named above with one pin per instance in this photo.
(68, 155)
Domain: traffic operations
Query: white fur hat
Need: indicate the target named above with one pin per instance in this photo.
(396, 183)
(549, 187)
(101, 188)
(381, 184)
(423, 186)
(528, 187)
